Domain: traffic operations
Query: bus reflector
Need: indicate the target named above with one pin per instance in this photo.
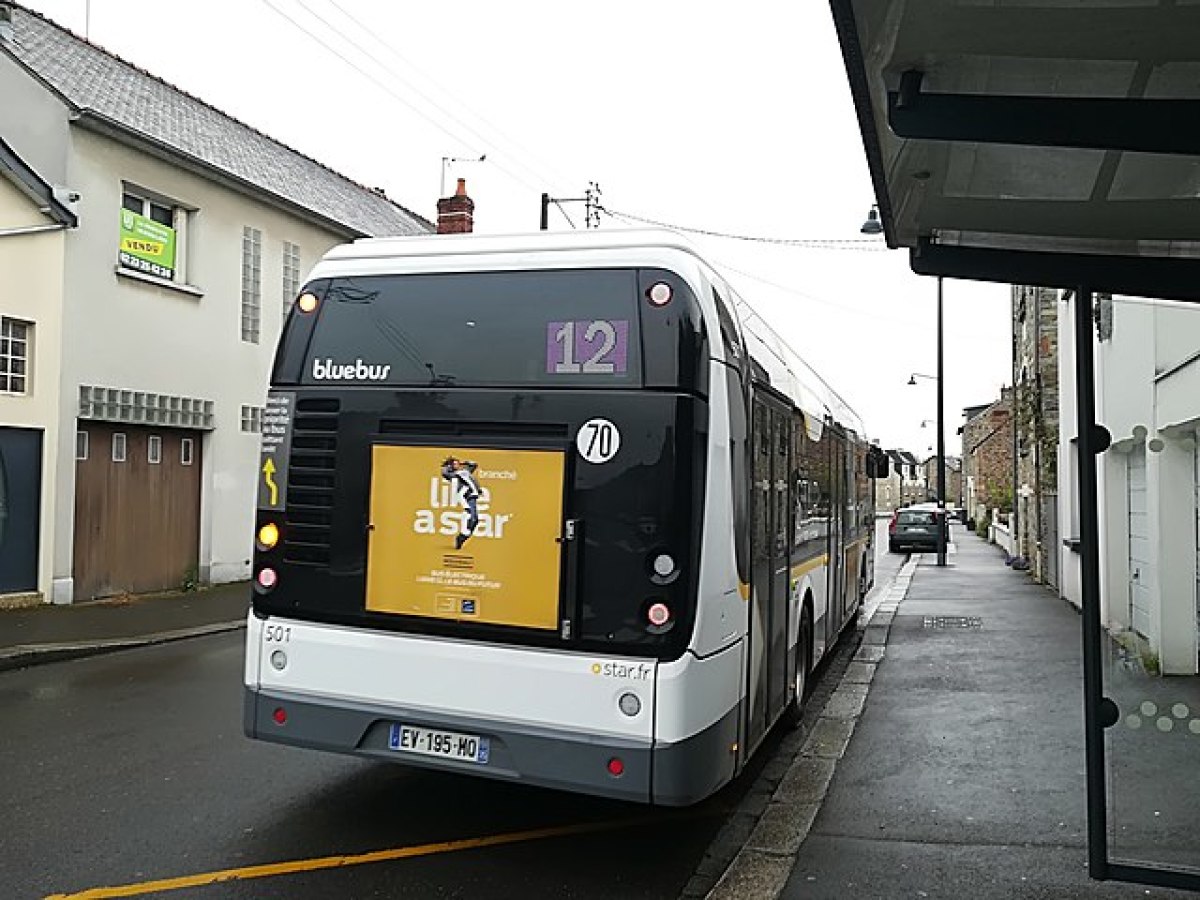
(658, 614)
(307, 302)
(630, 704)
(280, 715)
(268, 536)
(659, 294)
(267, 578)
(664, 565)
(279, 660)
(616, 768)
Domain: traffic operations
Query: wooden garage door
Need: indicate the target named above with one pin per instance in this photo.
(137, 508)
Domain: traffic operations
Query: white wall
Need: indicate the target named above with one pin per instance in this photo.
(127, 334)
(33, 122)
(1070, 585)
(31, 275)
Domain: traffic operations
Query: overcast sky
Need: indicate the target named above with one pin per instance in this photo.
(734, 119)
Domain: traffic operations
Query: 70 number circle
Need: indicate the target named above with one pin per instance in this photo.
(598, 440)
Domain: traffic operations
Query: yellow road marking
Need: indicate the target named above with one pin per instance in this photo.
(293, 867)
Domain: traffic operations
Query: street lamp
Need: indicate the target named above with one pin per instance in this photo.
(872, 225)
(941, 429)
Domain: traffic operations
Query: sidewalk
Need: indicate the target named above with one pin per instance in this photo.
(45, 633)
(949, 763)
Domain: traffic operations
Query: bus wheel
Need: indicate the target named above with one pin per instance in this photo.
(804, 642)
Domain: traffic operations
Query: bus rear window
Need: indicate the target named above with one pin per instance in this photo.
(479, 329)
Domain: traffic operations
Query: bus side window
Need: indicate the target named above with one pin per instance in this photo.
(800, 479)
(739, 451)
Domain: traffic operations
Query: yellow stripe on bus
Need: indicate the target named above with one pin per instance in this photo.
(805, 567)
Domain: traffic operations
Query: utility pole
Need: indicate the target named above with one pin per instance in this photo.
(590, 200)
(944, 525)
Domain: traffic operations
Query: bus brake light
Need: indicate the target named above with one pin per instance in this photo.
(616, 768)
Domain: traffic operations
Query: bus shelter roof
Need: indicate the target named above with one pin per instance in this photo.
(1044, 143)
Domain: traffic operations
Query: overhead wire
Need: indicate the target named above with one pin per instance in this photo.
(857, 244)
(563, 210)
(544, 165)
(380, 83)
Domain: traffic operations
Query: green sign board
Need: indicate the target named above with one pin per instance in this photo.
(146, 245)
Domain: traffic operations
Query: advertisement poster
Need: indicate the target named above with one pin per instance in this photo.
(146, 245)
(466, 534)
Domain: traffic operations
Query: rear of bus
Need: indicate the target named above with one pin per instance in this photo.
(480, 518)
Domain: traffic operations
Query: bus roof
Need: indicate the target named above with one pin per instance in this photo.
(788, 370)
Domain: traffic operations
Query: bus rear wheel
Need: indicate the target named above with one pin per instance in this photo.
(804, 641)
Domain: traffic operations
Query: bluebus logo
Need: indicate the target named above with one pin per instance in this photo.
(328, 370)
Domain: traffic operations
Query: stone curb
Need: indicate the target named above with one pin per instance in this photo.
(24, 655)
(761, 869)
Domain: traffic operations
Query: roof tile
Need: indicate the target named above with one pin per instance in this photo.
(94, 80)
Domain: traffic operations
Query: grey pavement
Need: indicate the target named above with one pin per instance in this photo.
(45, 633)
(949, 762)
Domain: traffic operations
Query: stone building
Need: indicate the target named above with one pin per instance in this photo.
(987, 446)
(905, 484)
(954, 492)
(1035, 401)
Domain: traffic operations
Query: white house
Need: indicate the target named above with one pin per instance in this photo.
(1148, 397)
(150, 325)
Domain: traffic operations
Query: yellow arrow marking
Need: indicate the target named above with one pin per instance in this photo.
(268, 473)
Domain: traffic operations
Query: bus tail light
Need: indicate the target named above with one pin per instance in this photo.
(267, 578)
(658, 615)
(616, 768)
(280, 715)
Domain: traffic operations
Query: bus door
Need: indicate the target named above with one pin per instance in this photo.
(837, 513)
(770, 549)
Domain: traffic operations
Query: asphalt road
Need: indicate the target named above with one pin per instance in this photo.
(131, 768)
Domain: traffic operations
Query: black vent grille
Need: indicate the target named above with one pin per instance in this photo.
(311, 472)
(440, 428)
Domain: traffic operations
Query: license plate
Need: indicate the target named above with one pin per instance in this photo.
(443, 744)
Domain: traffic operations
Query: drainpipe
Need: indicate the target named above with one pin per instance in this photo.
(1014, 517)
(1038, 425)
(31, 229)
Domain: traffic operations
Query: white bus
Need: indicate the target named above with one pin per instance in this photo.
(538, 508)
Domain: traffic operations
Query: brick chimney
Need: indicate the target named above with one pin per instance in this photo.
(456, 215)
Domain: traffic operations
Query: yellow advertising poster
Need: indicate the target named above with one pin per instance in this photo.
(466, 534)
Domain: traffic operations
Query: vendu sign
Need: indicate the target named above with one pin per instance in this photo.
(146, 245)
